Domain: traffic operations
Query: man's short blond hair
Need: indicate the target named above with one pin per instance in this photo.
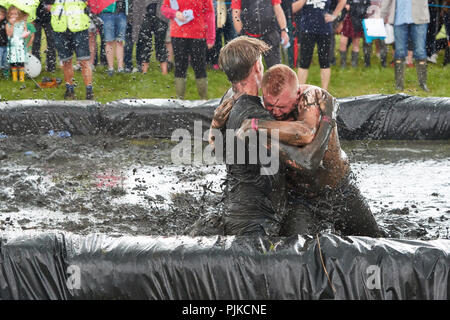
(277, 78)
(239, 55)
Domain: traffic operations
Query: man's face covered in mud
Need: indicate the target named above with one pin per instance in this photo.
(283, 106)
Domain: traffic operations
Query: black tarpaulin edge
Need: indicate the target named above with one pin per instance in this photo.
(59, 265)
(393, 117)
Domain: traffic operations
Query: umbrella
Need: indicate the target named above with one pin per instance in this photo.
(28, 6)
(97, 6)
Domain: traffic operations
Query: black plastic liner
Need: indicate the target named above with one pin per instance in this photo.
(26, 117)
(156, 118)
(395, 117)
(66, 266)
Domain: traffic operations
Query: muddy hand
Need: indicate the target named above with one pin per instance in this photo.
(221, 114)
(328, 104)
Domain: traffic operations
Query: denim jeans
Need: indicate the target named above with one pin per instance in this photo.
(128, 51)
(3, 60)
(418, 34)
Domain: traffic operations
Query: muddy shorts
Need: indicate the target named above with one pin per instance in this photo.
(343, 210)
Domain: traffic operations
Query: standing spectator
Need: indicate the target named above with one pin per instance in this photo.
(446, 18)
(16, 30)
(314, 25)
(374, 12)
(149, 22)
(262, 19)
(192, 30)
(352, 28)
(70, 24)
(336, 26)
(42, 22)
(410, 18)
(286, 5)
(433, 30)
(4, 66)
(224, 28)
(114, 19)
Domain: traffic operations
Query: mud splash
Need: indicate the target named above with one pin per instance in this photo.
(121, 186)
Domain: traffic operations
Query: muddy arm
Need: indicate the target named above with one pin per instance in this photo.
(294, 133)
(309, 156)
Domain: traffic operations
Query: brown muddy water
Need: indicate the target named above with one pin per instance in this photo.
(123, 186)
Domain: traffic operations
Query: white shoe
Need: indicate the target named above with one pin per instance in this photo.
(135, 70)
(433, 58)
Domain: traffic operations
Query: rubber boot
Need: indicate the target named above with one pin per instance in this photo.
(367, 50)
(180, 87)
(399, 66)
(355, 59)
(14, 74)
(366, 59)
(6, 73)
(21, 74)
(343, 58)
(422, 74)
(383, 60)
(447, 56)
(202, 87)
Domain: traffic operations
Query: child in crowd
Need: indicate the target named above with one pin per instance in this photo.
(17, 32)
(4, 68)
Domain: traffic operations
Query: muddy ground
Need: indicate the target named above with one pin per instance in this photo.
(124, 186)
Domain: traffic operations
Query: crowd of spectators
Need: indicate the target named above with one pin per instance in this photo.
(192, 32)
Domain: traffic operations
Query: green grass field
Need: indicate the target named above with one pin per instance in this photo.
(344, 83)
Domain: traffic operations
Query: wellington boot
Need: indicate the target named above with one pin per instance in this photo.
(202, 87)
(180, 87)
(447, 56)
(343, 59)
(14, 74)
(422, 74)
(399, 65)
(355, 59)
(21, 75)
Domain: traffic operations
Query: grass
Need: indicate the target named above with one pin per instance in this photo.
(344, 83)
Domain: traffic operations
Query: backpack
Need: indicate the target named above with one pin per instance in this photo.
(258, 16)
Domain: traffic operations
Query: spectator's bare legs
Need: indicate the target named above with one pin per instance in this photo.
(145, 66)
(119, 54)
(68, 71)
(86, 72)
(92, 46)
(325, 75)
(109, 49)
(343, 40)
(164, 68)
(302, 75)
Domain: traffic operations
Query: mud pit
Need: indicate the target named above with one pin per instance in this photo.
(129, 186)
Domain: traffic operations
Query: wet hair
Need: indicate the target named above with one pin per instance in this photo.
(22, 15)
(277, 78)
(239, 55)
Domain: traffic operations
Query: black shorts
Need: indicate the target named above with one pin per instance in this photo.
(308, 42)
